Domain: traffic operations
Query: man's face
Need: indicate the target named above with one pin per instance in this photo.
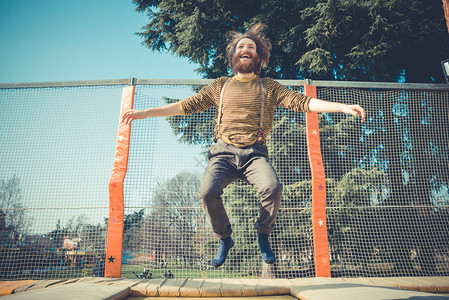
(245, 59)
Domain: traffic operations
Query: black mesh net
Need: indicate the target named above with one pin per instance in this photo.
(56, 153)
(387, 192)
(386, 184)
(388, 180)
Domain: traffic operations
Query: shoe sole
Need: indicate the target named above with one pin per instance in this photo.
(270, 262)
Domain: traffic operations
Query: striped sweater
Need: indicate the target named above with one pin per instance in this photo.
(241, 107)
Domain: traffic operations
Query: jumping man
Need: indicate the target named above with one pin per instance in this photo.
(245, 111)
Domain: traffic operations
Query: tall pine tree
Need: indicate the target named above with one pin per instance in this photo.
(380, 40)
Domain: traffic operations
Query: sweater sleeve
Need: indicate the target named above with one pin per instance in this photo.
(289, 99)
(203, 100)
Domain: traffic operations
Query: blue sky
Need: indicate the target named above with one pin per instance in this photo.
(61, 142)
(51, 40)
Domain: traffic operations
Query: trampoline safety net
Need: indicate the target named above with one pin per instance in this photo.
(56, 149)
(387, 187)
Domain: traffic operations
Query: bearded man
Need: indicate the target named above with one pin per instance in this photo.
(245, 111)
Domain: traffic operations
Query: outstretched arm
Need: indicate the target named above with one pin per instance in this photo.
(172, 109)
(317, 105)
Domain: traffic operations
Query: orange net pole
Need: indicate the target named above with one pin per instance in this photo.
(113, 262)
(446, 12)
(319, 227)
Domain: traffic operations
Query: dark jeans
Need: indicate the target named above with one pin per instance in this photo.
(228, 163)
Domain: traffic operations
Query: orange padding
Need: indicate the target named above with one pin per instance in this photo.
(113, 261)
(7, 287)
(446, 12)
(319, 227)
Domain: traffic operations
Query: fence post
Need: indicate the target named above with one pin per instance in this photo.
(319, 227)
(113, 261)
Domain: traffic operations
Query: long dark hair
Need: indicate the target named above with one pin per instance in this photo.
(255, 33)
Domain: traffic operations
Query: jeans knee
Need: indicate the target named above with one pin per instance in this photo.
(273, 189)
(208, 194)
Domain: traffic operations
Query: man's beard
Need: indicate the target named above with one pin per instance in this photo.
(245, 66)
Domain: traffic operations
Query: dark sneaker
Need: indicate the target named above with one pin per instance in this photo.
(225, 245)
(265, 249)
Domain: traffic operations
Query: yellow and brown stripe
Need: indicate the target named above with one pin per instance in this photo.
(241, 106)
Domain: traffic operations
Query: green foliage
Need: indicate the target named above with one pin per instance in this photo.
(379, 40)
(287, 148)
(241, 202)
(131, 225)
(195, 128)
(354, 197)
(360, 188)
(133, 220)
